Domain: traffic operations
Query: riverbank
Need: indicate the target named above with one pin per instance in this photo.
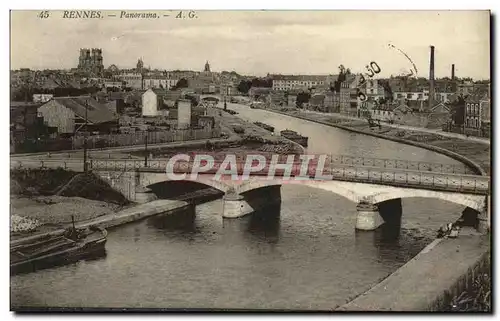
(50, 213)
(110, 220)
(430, 281)
(46, 200)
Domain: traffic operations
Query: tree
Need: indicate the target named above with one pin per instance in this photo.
(244, 86)
(182, 83)
(303, 98)
(387, 89)
(262, 82)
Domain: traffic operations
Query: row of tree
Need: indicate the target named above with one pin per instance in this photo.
(245, 85)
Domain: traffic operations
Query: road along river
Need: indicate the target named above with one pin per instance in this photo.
(304, 255)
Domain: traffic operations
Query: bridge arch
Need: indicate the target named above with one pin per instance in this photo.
(475, 202)
(149, 180)
(329, 186)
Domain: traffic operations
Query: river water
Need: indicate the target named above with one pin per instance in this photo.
(303, 255)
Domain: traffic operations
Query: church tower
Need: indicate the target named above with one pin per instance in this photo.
(140, 65)
(207, 67)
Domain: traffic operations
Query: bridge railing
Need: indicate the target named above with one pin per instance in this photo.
(401, 164)
(338, 171)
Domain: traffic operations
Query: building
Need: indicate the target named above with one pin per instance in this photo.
(383, 113)
(42, 98)
(112, 83)
(292, 100)
(438, 116)
(131, 79)
(113, 69)
(317, 102)
(373, 89)
(155, 81)
(152, 101)
(330, 102)
(473, 114)
(465, 88)
(258, 92)
(227, 88)
(205, 121)
(365, 108)
(90, 61)
(345, 99)
(183, 114)
(69, 114)
(290, 82)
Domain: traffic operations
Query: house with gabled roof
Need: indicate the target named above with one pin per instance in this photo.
(69, 114)
(152, 101)
(439, 115)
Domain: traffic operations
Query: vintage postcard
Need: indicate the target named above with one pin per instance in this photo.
(190, 160)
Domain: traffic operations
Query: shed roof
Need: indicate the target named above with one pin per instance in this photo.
(96, 112)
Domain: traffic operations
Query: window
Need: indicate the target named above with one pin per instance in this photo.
(409, 96)
(420, 96)
(400, 95)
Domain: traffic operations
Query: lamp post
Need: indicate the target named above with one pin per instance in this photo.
(146, 148)
(85, 165)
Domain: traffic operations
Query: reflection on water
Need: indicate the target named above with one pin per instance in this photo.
(184, 221)
(304, 255)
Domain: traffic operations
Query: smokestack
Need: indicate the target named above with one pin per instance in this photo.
(453, 72)
(431, 79)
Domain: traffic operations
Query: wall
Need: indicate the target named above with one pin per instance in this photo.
(159, 137)
(56, 115)
(184, 114)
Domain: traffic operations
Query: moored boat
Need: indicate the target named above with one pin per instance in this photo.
(73, 245)
(295, 137)
(265, 126)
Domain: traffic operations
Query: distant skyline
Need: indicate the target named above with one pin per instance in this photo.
(261, 42)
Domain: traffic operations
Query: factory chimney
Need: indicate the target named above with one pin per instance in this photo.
(431, 79)
(453, 72)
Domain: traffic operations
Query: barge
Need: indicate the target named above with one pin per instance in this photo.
(265, 126)
(295, 137)
(73, 245)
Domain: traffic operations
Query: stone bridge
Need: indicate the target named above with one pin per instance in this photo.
(376, 191)
(376, 186)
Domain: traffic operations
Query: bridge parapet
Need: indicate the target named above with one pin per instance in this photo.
(464, 183)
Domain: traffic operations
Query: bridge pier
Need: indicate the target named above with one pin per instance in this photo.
(144, 195)
(237, 205)
(368, 218)
(234, 206)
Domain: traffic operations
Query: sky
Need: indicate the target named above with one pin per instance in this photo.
(261, 42)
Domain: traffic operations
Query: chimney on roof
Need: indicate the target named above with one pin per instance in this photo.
(431, 79)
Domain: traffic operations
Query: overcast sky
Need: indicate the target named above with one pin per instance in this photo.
(258, 42)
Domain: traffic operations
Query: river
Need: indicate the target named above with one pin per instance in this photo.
(304, 255)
